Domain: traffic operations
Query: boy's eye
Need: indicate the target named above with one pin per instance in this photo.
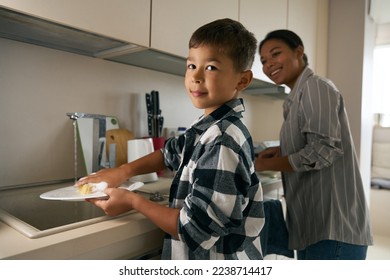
(211, 67)
(191, 66)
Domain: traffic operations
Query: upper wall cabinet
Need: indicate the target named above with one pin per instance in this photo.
(307, 18)
(260, 17)
(174, 21)
(155, 34)
(126, 20)
(302, 19)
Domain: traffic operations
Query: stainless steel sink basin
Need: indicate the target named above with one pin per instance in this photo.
(22, 208)
(25, 211)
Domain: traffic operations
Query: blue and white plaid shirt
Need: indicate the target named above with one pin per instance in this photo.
(216, 188)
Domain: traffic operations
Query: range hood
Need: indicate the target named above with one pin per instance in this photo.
(28, 29)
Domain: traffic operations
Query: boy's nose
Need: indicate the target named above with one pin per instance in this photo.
(197, 77)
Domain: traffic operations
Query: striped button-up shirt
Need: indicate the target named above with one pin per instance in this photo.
(325, 197)
(216, 188)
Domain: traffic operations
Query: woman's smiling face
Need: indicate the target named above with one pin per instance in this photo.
(281, 64)
(211, 79)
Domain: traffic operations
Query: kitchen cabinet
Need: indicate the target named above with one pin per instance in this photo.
(154, 35)
(127, 20)
(174, 21)
(260, 17)
(302, 19)
(308, 18)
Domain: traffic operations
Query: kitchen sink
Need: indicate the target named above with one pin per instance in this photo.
(23, 209)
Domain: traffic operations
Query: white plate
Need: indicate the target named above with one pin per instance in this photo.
(72, 193)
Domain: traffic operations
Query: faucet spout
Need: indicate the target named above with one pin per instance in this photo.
(98, 136)
(73, 116)
(77, 115)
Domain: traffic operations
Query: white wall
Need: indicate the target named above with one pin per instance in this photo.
(38, 86)
(350, 53)
(383, 34)
(263, 116)
(380, 212)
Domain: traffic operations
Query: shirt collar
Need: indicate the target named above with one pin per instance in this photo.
(232, 107)
(306, 73)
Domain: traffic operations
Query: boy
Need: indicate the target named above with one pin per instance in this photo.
(216, 207)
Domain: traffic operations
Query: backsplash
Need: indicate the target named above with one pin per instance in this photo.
(38, 86)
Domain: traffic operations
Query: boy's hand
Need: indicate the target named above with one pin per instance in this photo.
(114, 177)
(119, 201)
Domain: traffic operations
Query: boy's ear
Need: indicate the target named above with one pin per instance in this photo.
(246, 79)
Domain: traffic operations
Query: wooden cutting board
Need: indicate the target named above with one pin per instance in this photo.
(119, 137)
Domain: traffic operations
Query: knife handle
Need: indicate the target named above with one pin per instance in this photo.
(155, 102)
(160, 125)
(148, 101)
(150, 125)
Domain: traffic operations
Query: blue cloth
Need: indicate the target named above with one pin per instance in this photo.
(274, 235)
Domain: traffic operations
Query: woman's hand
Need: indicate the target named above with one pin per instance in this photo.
(114, 177)
(263, 157)
(270, 153)
(271, 159)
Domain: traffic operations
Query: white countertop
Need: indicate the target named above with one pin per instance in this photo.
(271, 184)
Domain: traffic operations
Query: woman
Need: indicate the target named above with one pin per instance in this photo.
(327, 215)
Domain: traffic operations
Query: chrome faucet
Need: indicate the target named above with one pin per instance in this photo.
(98, 138)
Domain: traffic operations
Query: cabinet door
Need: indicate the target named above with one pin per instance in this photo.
(174, 21)
(302, 19)
(261, 17)
(127, 20)
(309, 19)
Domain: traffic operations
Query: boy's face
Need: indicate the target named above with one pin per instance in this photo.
(211, 79)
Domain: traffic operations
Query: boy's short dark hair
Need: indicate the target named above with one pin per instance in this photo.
(229, 36)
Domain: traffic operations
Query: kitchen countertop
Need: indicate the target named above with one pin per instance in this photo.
(125, 237)
(271, 184)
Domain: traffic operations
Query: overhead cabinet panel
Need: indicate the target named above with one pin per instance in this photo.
(303, 20)
(174, 21)
(261, 17)
(107, 31)
(127, 20)
(308, 18)
(21, 27)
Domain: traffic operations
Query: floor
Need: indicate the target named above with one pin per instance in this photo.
(380, 250)
(380, 220)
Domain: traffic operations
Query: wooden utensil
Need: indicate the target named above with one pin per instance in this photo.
(119, 137)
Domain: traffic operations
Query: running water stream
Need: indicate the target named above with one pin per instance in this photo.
(75, 149)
